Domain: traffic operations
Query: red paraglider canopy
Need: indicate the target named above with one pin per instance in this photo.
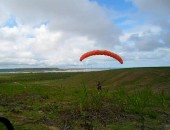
(101, 52)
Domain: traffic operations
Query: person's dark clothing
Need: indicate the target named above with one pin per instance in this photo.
(99, 86)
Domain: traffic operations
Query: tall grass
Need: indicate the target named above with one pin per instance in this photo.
(62, 101)
(143, 102)
(90, 98)
(83, 97)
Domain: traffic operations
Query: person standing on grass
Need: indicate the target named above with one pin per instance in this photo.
(99, 86)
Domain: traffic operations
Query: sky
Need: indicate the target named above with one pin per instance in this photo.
(55, 33)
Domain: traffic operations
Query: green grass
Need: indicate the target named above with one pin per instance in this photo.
(144, 103)
(137, 98)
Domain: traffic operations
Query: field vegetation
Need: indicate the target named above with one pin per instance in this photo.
(130, 99)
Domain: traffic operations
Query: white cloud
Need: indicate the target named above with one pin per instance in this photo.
(71, 28)
(3, 15)
(45, 48)
(159, 7)
(150, 36)
(53, 33)
(80, 18)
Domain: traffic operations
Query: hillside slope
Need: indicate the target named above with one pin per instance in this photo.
(133, 78)
(45, 101)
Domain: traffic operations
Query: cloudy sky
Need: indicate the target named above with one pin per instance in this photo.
(55, 33)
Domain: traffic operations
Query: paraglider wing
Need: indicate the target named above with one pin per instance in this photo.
(101, 52)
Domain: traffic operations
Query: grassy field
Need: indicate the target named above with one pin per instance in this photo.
(130, 99)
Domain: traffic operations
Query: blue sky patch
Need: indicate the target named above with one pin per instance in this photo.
(11, 22)
(120, 5)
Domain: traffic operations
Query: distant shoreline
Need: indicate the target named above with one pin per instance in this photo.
(50, 70)
(63, 70)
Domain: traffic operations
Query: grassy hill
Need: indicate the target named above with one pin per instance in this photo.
(133, 78)
(133, 98)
